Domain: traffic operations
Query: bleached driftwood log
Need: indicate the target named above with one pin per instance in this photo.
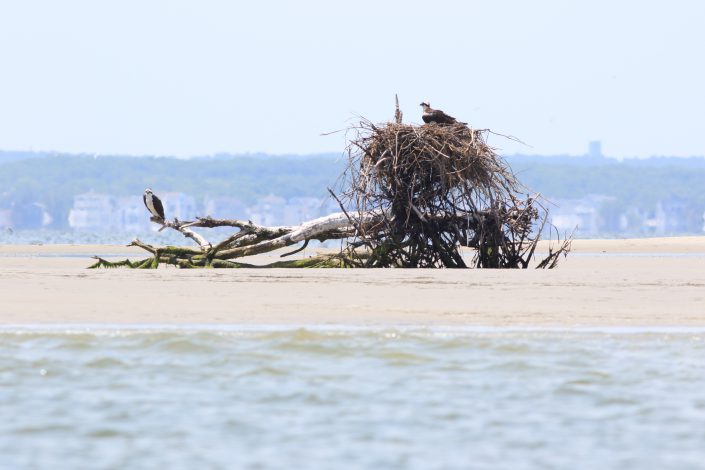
(250, 239)
(254, 239)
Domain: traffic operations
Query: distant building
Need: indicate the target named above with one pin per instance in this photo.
(178, 205)
(301, 209)
(595, 149)
(103, 212)
(223, 207)
(131, 214)
(268, 211)
(31, 216)
(674, 216)
(273, 210)
(93, 211)
(583, 214)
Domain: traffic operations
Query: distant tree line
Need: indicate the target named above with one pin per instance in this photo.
(633, 182)
(53, 180)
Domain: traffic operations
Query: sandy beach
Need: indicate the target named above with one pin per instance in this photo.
(602, 283)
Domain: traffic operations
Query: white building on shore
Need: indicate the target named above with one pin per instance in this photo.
(99, 212)
(132, 215)
(93, 211)
(178, 205)
(224, 207)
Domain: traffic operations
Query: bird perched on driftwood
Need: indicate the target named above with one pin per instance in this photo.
(436, 115)
(153, 204)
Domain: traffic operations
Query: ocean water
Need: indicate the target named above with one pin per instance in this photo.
(290, 398)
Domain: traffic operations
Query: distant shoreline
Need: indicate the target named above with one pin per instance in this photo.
(189, 328)
(676, 244)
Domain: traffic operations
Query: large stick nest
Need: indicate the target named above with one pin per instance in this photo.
(438, 188)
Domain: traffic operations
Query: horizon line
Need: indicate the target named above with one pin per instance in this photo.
(222, 154)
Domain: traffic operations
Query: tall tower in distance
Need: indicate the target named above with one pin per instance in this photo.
(595, 149)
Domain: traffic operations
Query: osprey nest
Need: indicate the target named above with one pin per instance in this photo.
(435, 189)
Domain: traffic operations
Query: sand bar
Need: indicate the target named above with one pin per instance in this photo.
(603, 283)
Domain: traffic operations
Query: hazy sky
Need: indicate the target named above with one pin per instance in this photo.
(198, 77)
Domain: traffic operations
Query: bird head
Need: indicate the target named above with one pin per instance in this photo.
(425, 105)
(148, 191)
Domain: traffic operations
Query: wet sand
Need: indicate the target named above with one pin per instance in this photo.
(602, 283)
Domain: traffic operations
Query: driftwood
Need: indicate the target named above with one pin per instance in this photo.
(250, 239)
(411, 196)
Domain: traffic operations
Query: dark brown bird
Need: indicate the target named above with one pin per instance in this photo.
(436, 115)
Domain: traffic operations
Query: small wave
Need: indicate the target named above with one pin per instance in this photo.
(103, 434)
(105, 363)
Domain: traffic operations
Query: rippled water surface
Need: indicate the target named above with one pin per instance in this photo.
(329, 399)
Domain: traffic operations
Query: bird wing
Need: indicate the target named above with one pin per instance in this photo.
(158, 206)
(443, 117)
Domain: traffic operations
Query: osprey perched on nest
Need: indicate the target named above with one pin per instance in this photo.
(153, 204)
(436, 115)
